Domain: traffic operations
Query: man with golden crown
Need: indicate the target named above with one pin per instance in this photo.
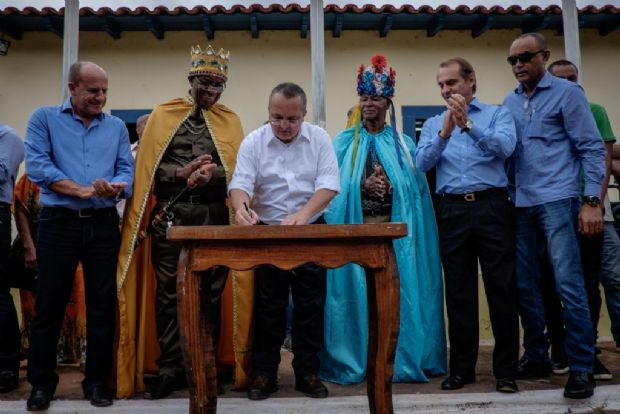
(187, 141)
(379, 183)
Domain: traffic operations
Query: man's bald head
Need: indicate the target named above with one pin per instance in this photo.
(88, 85)
(84, 68)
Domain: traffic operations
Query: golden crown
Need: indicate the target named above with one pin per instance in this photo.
(208, 62)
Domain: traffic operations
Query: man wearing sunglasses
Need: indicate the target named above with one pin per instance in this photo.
(556, 137)
(187, 142)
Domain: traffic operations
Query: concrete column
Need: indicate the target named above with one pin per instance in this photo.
(572, 50)
(317, 42)
(70, 41)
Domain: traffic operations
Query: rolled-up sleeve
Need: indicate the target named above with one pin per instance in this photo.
(40, 168)
(124, 168)
(431, 145)
(500, 138)
(244, 176)
(328, 176)
(581, 128)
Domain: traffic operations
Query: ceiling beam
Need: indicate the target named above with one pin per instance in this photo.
(386, 24)
(155, 26)
(535, 23)
(55, 25)
(337, 30)
(435, 25)
(481, 24)
(609, 26)
(10, 29)
(305, 25)
(207, 26)
(111, 27)
(254, 25)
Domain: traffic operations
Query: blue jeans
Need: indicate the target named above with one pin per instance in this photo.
(555, 224)
(610, 277)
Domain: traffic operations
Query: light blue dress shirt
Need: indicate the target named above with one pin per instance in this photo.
(556, 135)
(11, 155)
(60, 147)
(469, 161)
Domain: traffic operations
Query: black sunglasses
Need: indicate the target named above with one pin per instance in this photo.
(523, 57)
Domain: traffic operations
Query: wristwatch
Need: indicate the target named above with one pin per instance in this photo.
(592, 201)
(468, 125)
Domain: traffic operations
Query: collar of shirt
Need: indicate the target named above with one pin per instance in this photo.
(303, 134)
(544, 83)
(475, 104)
(68, 107)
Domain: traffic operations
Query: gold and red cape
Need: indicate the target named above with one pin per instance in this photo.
(135, 280)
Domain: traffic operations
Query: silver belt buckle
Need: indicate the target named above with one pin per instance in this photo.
(82, 214)
(194, 199)
(469, 197)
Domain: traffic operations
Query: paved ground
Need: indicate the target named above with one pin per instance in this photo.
(536, 396)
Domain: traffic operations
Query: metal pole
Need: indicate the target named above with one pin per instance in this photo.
(70, 41)
(572, 50)
(317, 43)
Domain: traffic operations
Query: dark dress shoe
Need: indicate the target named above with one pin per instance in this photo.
(39, 400)
(99, 396)
(8, 381)
(261, 387)
(163, 386)
(531, 369)
(507, 385)
(312, 386)
(456, 382)
(579, 385)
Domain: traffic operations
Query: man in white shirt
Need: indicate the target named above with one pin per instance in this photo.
(289, 169)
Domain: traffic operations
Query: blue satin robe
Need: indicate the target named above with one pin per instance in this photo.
(421, 350)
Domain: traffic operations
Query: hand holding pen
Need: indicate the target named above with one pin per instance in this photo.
(246, 216)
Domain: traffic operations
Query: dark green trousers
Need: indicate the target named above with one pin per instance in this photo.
(165, 256)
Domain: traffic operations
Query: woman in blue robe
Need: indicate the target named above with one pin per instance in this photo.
(380, 183)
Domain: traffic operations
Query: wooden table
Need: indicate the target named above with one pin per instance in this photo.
(331, 246)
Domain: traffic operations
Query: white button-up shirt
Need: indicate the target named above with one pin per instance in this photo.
(284, 176)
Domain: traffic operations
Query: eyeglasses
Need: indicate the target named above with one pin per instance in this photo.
(209, 84)
(523, 57)
(282, 121)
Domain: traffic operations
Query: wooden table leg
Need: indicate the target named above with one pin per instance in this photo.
(196, 340)
(383, 290)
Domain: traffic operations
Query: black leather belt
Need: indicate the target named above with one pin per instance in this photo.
(82, 213)
(475, 195)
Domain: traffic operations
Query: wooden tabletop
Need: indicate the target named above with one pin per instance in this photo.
(313, 231)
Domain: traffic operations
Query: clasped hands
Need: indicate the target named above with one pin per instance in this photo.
(101, 188)
(197, 172)
(455, 116)
(376, 184)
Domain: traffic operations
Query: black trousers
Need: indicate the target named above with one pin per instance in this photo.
(307, 284)
(10, 342)
(470, 232)
(63, 241)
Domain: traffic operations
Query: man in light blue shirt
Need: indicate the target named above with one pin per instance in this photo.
(81, 159)
(557, 136)
(11, 156)
(469, 144)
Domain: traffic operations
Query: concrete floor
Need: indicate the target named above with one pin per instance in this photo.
(536, 396)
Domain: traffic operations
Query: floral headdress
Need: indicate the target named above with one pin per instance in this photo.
(377, 79)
